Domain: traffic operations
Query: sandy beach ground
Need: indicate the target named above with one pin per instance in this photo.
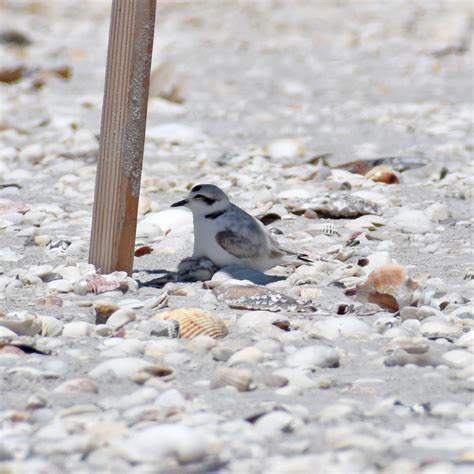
(245, 95)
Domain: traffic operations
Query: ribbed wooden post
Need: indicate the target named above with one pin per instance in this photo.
(122, 135)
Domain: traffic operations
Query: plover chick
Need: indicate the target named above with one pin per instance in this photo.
(227, 235)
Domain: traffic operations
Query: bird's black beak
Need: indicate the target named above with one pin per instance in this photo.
(180, 203)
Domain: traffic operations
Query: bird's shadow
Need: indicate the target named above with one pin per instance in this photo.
(165, 276)
(233, 271)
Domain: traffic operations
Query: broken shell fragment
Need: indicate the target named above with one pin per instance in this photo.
(389, 286)
(241, 379)
(28, 326)
(163, 373)
(195, 321)
(97, 284)
(256, 297)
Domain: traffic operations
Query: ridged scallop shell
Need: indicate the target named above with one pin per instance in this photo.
(328, 228)
(241, 379)
(195, 321)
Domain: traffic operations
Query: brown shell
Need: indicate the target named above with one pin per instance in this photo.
(383, 174)
(194, 322)
(387, 286)
(163, 373)
(143, 250)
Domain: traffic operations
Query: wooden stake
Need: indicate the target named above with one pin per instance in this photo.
(122, 135)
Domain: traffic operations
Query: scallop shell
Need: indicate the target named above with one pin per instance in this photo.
(383, 174)
(389, 286)
(327, 228)
(195, 321)
(241, 379)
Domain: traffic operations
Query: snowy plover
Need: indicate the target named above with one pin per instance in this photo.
(227, 235)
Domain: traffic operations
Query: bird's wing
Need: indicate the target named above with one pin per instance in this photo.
(242, 236)
(237, 245)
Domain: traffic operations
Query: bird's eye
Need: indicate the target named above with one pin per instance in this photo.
(206, 199)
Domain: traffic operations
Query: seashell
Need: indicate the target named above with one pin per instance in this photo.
(383, 174)
(248, 355)
(169, 221)
(436, 328)
(398, 163)
(145, 205)
(273, 380)
(103, 311)
(26, 348)
(222, 354)
(50, 276)
(7, 349)
(328, 228)
(143, 250)
(80, 385)
(163, 373)
(269, 218)
(401, 358)
(195, 321)
(28, 326)
(469, 275)
(284, 148)
(60, 244)
(120, 318)
(389, 286)
(119, 367)
(338, 206)
(77, 329)
(310, 214)
(9, 207)
(165, 85)
(158, 302)
(50, 326)
(241, 379)
(42, 240)
(97, 284)
(49, 301)
(258, 298)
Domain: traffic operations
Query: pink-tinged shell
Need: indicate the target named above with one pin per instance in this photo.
(389, 286)
(7, 207)
(51, 300)
(383, 174)
(97, 284)
(194, 322)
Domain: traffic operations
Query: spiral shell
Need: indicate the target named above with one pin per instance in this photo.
(195, 321)
(241, 379)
